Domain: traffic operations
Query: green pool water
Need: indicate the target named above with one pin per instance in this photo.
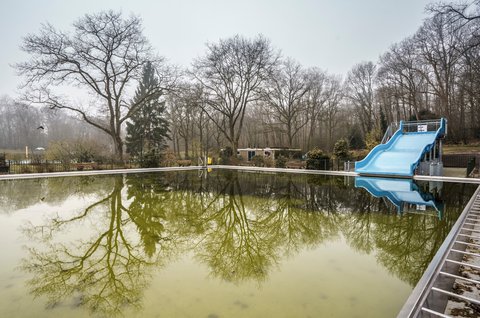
(217, 244)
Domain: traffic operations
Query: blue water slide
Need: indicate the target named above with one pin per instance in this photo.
(398, 191)
(400, 156)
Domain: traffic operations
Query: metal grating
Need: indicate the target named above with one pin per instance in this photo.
(450, 287)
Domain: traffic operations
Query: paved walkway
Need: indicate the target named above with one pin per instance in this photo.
(450, 287)
(243, 168)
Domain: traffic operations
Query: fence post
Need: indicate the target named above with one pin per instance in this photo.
(470, 166)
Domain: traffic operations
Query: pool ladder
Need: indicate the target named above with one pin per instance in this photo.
(460, 250)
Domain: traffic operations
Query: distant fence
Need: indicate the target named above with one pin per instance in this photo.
(332, 164)
(320, 164)
(461, 160)
(45, 166)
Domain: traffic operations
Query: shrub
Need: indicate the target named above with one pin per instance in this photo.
(226, 152)
(258, 161)
(341, 149)
(25, 169)
(317, 160)
(226, 155)
(39, 168)
(373, 138)
(168, 159)
(281, 162)
(79, 150)
(268, 162)
(184, 163)
(290, 154)
(150, 160)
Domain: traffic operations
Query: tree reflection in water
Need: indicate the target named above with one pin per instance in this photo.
(105, 270)
(240, 225)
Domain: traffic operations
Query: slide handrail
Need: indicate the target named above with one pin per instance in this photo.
(391, 129)
(438, 125)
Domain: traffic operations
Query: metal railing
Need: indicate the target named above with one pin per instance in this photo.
(412, 126)
(47, 166)
(421, 125)
(432, 293)
(391, 129)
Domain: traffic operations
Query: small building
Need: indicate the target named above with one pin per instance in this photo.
(249, 153)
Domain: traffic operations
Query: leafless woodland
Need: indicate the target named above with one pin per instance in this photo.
(242, 92)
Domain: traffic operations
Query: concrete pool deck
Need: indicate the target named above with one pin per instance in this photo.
(242, 168)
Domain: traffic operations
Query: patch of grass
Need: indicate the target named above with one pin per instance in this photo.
(471, 148)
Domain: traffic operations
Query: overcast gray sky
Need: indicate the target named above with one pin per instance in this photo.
(333, 35)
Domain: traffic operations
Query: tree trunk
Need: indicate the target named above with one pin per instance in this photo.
(234, 148)
(118, 143)
(186, 148)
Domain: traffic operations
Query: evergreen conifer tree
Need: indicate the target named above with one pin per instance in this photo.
(148, 130)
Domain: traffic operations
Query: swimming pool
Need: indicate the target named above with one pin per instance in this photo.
(218, 244)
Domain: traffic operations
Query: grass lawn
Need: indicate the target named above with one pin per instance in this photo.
(451, 149)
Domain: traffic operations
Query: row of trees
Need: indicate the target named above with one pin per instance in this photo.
(23, 125)
(242, 92)
(434, 73)
(435, 69)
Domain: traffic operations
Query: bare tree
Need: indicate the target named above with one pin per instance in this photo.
(103, 58)
(284, 93)
(185, 114)
(315, 99)
(439, 44)
(19, 125)
(333, 97)
(360, 84)
(402, 70)
(458, 29)
(231, 73)
(465, 12)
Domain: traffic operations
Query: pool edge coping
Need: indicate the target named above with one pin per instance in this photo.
(239, 168)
